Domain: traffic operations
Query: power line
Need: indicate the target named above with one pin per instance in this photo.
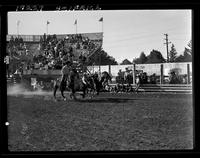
(144, 32)
(131, 38)
(125, 44)
(141, 36)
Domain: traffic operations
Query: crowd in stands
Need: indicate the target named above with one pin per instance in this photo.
(52, 52)
(56, 51)
(16, 47)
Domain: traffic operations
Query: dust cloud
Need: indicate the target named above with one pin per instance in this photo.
(19, 89)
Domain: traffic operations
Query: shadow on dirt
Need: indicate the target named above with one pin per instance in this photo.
(106, 100)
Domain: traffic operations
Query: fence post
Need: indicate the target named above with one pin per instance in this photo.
(134, 73)
(161, 73)
(109, 69)
(188, 73)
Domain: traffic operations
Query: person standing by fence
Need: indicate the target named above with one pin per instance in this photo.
(126, 75)
(137, 83)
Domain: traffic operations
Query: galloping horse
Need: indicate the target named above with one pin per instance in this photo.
(74, 84)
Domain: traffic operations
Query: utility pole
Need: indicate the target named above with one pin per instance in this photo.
(167, 46)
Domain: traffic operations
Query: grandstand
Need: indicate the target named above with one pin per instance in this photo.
(49, 51)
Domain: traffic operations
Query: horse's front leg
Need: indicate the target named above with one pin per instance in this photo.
(62, 93)
(84, 89)
(93, 92)
(72, 95)
(55, 90)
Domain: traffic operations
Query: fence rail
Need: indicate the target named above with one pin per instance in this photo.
(183, 88)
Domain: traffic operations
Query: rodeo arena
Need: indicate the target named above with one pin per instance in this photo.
(57, 102)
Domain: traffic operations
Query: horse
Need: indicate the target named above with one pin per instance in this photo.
(97, 84)
(105, 79)
(75, 84)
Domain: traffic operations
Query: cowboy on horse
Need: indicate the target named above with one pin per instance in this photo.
(72, 80)
(64, 81)
(65, 71)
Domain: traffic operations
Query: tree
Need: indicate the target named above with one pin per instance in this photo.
(136, 61)
(180, 58)
(172, 54)
(187, 54)
(184, 58)
(155, 57)
(101, 58)
(125, 62)
(142, 58)
(189, 48)
(106, 59)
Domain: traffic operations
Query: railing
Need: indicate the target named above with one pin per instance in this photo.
(36, 38)
(26, 38)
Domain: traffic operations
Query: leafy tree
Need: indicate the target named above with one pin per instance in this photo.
(136, 61)
(101, 58)
(142, 58)
(172, 54)
(189, 48)
(155, 57)
(106, 59)
(184, 58)
(125, 62)
(187, 54)
(180, 58)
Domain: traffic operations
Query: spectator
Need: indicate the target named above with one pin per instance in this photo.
(138, 80)
(153, 79)
(119, 78)
(174, 78)
(144, 78)
(126, 74)
(184, 80)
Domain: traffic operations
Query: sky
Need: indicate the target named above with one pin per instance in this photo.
(126, 33)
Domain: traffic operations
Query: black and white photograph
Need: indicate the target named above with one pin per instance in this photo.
(83, 78)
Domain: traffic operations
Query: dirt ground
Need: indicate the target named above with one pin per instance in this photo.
(108, 122)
